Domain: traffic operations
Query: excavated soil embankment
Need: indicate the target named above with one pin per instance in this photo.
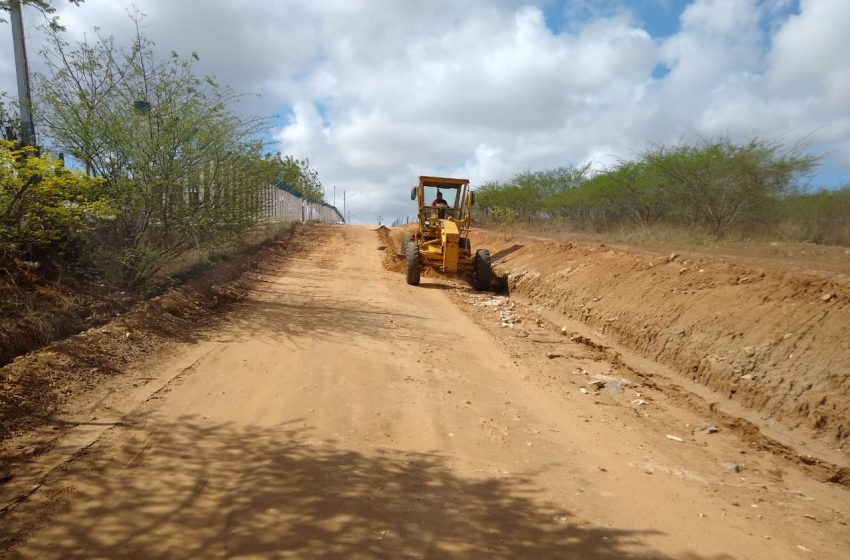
(774, 342)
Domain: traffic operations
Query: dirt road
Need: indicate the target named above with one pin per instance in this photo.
(339, 413)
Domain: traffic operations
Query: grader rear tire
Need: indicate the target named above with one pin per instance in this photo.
(414, 263)
(483, 273)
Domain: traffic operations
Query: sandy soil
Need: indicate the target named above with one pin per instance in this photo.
(335, 412)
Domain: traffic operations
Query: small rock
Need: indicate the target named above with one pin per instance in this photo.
(827, 297)
(710, 429)
(615, 387)
(552, 355)
(747, 376)
(640, 402)
(673, 256)
(382, 247)
(564, 331)
(675, 438)
(732, 467)
(583, 391)
(596, 384)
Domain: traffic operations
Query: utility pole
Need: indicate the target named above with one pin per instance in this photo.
(345, 197)
(379, 220)
(22, 71)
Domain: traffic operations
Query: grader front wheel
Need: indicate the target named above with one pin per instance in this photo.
(414, 263)
(482, 273)
(404, 239)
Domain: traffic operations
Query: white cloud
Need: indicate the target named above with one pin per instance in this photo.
(376, 92)
(811, 52)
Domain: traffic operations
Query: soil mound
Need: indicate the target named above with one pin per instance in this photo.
(775, 342)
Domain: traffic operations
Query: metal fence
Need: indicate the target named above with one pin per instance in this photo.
(286, 203)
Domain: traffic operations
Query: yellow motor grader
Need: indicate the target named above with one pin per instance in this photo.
(442, 241)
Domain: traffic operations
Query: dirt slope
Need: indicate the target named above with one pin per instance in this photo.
(773, 342)
(335, 412)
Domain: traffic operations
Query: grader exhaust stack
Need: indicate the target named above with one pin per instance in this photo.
(442, 241)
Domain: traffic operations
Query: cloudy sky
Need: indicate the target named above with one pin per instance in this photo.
(377, 92)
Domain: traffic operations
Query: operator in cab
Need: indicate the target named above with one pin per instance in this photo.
(440, 202)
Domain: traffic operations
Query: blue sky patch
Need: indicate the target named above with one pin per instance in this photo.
(660, 18)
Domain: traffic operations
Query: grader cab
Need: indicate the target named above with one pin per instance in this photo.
(442, 241)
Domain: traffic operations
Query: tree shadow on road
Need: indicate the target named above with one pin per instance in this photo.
(197, 489)
(326, 318)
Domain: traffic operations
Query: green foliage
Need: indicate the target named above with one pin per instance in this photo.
(818, 217)
(41, 5)
(715, 186)
(531, 194)
(181, 169)
(43, 206)
(297, 174)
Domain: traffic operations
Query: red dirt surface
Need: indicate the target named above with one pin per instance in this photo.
(36, 386)
(771, 343)
(333, 411)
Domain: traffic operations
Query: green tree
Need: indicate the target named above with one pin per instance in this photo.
(296, 173)
(718, 183)
(531, 194)
(627, 192)
(181, 168)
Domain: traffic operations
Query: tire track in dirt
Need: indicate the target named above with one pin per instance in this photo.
(345, 414)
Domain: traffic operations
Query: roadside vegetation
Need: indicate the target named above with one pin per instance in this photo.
(714, 189)
(145, 169)
(158, 164)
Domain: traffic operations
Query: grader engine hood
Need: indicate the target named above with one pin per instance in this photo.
(451, 243)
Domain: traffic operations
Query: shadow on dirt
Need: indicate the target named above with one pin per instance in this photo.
(435, 286)
(197, 489)
(294, 319)
(505, 252)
